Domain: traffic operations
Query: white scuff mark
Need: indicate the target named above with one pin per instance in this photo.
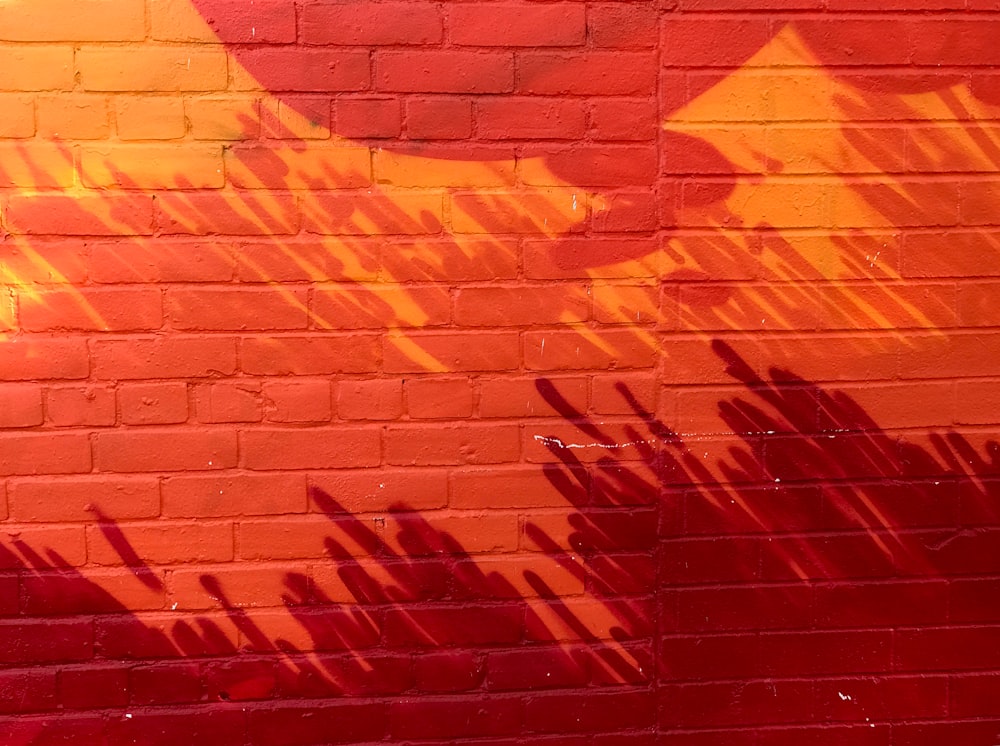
(557, 443)
(574, 203)
(128, 715)
(543, 345)
(777, 479)
(844, 697)
(381, 485)
(174, 607)
(253, 32)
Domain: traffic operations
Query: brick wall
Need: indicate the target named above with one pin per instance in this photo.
(473, 371)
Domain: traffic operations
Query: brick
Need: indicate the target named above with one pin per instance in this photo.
(223, 118)
(401, 213)
(451, 671)
(512, 488)
(377, 399)
(379, 307)
(245, 585)
(152, 167)
(148, 118)
(622, 25)
(309, 355)
(241, 680)
(164, 450)
(228, 402)
(93, 687)
(522, 305)
(223, 726)
(535, 211)
(428, 398)
(25, 454)
(456, 259)
(295, 538)
(536, 669)
(526, 117)
(297, 401)
(162, 683)
(315, 448)
(27, 691)
(523, 397)
(298, 117)
(586, 73)
(385, 24)
(148, 636)
(450, 352)
(81, 499)
(591, 257)
(20, 405)
(230, 213)
(232, 495)
(60, 594)
(367, 118)
(517, 25)
(46, 641)
(438, 118)
(33, 165)
(230, 21)
(19, 120)
(344, 722)
(177, 356)
(383, 489)
(73, 406)
(249, 309)
(429, 445)
(36, 68)
(82, 215)
(255, 167)
(454, 719)
(445, 166)
(151, 69)
(616, 711)
(73, 117)
(569, 351)
(122, 309)
(444, 71)
(90, 20)
(159, 261)
(309, 259)
(623, 119)
(153, 403)
(430, 627)
(159, 543)
(305, 70)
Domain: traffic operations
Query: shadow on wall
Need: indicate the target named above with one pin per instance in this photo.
(836, 583)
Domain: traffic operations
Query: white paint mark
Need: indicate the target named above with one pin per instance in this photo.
(557, 443)
(574, 203)
(844, 697)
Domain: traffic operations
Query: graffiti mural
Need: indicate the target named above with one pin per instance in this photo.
(491, 372)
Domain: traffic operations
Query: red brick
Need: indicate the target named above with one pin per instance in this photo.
(367, 118)
(444, 71)
(163, 683)
(153, 403)
(175, 356)
(383, 24)
(448, 672)
(429, 445)
(596, 712)
(218, 725)
(20, 405)
(296, 401)
(304, 356)
(255, 167)
(524, 397)
(328, 722)
(164, 450)
(450, 352)
(245, 585)
(313, 448)
(377, 399)
(93, 687)
(162, 543)
(455, 259)
(622, 25)
(383, 489)
(57, 500)
(518, 487)
(609, 165)
(587, 73)
(32, 359)
(306, 260)
(58, 594)
(445, 398)
(228, 402)
(454, 719)
(390, 213)
(431, 627)
(379, 307)
(44, 453)
(242, 309)
(438, 118)
(522, 305)
(517, 25)
(60, 641)
(29, 691)
(562, 350)
(307, 70)
(206, 213)
(159, 261)
(623, 119)
(516, 118)
(232, 495)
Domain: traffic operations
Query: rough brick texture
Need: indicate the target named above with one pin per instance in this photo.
(495, 372)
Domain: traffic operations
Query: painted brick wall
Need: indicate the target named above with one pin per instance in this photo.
(567, 373)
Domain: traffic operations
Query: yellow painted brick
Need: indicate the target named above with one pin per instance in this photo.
(18, 119)
(149, 118)
(73, 117)
(35, 68)
(36, 165)
(72, 20)
(152, 166)
(224, 118)
(152, 69)
(307, 118)
(287, 168)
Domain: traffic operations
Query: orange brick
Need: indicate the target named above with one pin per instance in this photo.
(73, 406)
(430, 398)
(78, 499)
(250, 308)
(36, 68)
(36, 165)
(19, 115)
(86, 20)
(228, 402)
(81, 215)
(284, 168)
(377, 399)
(118, 309)
(213, 496)
(153, 403)
(78, 117)
(152, 167)
(20, 405)
(152, 69)
(163, 543)
(297, 401)
(149, 118)
(231, 21)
